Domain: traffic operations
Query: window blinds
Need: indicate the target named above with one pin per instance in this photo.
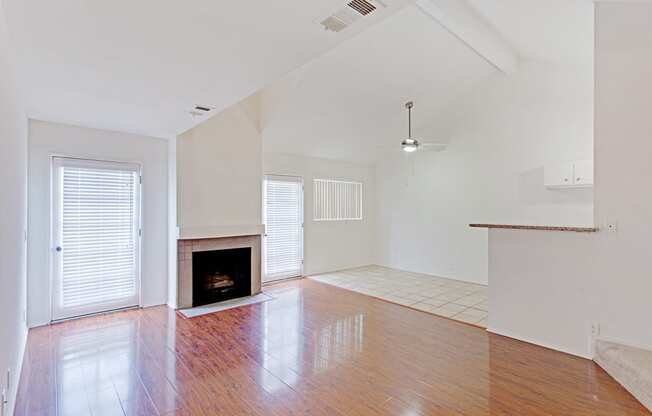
(283, 227)
(337, 200)
(98, 213)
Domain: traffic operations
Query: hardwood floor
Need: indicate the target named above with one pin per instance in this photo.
(314, 350)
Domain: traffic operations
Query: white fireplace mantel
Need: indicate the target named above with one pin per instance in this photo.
(219, 231)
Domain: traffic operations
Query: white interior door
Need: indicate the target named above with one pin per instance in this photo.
(95, 236)
(283, 212)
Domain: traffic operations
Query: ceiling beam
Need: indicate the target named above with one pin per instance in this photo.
(463, 22)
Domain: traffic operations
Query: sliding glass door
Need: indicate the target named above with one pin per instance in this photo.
(283, 212)
(95, 236)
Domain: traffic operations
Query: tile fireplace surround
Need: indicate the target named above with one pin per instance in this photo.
(184, 261)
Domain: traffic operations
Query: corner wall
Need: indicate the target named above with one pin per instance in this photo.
(172, 223)
(13, 222)
(48, 139)
(330, 245)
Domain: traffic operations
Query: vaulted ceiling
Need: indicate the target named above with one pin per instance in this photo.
(140, 66)
(348, 104)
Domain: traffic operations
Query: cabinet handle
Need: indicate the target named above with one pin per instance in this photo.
(578, 179)
(565, 179)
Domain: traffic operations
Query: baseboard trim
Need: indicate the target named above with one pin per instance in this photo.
(624, 342)
(279, 281)
(313, 273)
(538, 343)
(430, 273)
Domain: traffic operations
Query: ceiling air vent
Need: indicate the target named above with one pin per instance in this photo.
(349, 14)
(362, 6)
(199, 110)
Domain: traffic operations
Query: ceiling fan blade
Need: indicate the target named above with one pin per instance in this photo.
(428, 144)
(433, 147)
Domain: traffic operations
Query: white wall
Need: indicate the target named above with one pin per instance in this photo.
(13, 221)
(330, 245)
(47, 139)
(623, 151)
(541, 284)
(607, 273)
(219, 171)
(500, 137)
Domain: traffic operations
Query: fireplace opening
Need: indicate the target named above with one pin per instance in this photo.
(220, 275)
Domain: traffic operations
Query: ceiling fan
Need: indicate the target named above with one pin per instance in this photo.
(410, 144)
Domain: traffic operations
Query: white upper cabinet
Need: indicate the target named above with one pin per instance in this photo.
(583, 173)
(577, 174)
(560, 174)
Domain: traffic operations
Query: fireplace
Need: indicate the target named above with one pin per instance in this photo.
(219, 275)
(217, 261)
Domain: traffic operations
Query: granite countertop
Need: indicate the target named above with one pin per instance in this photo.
(537, 227)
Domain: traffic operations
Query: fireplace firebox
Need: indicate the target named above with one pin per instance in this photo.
(220, 275)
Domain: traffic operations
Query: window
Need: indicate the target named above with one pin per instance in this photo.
(337, 200)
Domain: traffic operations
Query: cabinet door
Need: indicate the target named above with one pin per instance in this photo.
(558, 175)
(583, 172)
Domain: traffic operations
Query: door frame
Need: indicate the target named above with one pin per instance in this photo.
(302, 208)
(56, 160)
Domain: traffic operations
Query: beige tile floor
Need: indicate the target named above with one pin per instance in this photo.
(466, 302)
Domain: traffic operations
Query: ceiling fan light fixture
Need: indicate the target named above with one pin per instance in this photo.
(409, 145)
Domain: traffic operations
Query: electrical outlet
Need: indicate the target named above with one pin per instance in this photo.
(595, 329)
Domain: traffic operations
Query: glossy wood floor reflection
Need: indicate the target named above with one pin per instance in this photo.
(314, 350)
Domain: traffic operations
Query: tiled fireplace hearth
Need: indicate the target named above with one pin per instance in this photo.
(220, 270)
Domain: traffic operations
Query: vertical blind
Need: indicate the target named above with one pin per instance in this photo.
(337, 200)
(98, 237)
(283, 227)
